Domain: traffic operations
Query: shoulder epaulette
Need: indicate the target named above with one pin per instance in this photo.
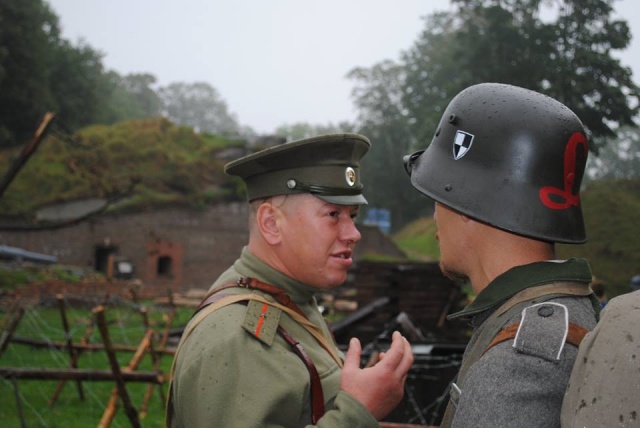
(543, 330)
(261, 320)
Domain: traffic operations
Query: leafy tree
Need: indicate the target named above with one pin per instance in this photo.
(75, 73)
(28, 29)
(145, 98)
(619, 159)
(199, 106)
(40, 72)
(383, 120)
(127, 97)
(507, 41)
(567, 57)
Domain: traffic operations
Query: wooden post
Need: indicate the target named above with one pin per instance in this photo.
(145, 317)
(167, 329)
(134, 295)
(10, 312)
(16, 393)
(92, 322)
(73, 354)
(115, 367)
(147, 396)
(157, 357)
(112, 405)
(12, 325)
(26, 152)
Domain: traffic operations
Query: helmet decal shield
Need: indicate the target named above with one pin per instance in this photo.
(462, 144)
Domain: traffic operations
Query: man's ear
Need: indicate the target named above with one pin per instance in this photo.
(268, 221)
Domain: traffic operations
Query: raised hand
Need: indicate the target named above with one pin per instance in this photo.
(380, 387)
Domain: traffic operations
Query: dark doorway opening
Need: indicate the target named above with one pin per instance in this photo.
(164, 266)
(104, 257)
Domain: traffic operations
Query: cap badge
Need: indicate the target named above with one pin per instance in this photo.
(462, 144)
(350, 176)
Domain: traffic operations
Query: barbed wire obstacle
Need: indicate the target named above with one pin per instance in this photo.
(71, 373)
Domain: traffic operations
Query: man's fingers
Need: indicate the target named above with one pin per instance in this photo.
(396, 351)
(352, 359)
(407, 357)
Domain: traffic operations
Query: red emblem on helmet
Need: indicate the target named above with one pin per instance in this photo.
(560, 199)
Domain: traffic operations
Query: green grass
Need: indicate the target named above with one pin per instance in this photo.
(612, 220)
(125, 325)
(167, 163)
(418, 240)
(12, 276)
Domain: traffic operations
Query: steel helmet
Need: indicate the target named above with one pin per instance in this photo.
(509, 157)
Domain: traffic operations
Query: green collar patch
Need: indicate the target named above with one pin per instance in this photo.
(521, 277)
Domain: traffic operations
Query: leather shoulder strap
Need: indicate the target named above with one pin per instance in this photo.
(317, 396)
(575, 335)
(252, 284)
(214, 302)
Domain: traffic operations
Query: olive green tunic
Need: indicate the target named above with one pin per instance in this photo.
(225, 377)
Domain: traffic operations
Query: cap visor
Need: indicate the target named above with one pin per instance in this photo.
(343, 199)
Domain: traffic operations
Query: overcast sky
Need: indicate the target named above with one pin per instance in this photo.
(273, 62)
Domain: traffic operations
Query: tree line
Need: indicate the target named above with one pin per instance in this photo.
(41, 71)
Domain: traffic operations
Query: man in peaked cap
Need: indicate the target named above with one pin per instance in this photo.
(258, 352)
(504, 167)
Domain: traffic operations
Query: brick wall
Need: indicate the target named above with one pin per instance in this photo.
(197, 245)
(201, 244)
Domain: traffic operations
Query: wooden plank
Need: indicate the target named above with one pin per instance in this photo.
(90, 375)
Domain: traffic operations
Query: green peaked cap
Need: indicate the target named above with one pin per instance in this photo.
(326, 166)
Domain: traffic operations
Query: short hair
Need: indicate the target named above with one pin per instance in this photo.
(598, 287)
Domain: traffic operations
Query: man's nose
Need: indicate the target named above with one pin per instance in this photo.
(351, 232)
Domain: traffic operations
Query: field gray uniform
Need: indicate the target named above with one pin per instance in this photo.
(604, 390)
(521, 382)
(225, 377)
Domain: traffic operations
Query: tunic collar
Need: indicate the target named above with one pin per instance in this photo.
(519, 278)
(251, 266)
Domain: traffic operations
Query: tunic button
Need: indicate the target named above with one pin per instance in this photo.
(545, 311)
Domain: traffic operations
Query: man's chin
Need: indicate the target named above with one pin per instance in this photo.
(452, 275)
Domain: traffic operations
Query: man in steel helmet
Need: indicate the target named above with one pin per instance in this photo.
(504, 169)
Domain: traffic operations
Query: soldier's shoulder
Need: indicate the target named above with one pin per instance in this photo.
(542, 330)
(222, 323)
(261, 321)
